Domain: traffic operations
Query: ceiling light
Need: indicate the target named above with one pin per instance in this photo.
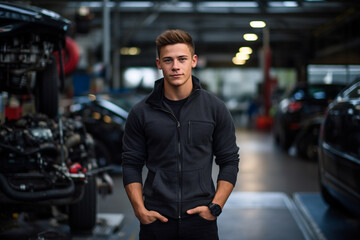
(242, 56)
(250, 37)
(84, 11)
(246, 50)
(130, 51)
(257, 24)
(237, 61)
(139, 4)
(284, 4)
(219, 4)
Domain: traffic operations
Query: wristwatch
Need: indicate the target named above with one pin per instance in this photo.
(215, 209)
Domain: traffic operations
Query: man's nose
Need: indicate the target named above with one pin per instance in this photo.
(175, 65)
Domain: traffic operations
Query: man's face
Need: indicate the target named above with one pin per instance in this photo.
(176, 63)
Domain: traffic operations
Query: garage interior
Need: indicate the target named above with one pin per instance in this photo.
(277, 195)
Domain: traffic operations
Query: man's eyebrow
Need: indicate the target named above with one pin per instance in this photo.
(181, 56)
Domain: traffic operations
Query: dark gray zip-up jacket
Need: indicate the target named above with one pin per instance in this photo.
(179, 152)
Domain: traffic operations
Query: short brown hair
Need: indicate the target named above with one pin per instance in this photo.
(172, 37)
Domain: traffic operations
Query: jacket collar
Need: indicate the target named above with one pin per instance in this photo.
(157, 94)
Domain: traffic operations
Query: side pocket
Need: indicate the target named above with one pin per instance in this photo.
(165, 185)
(195, 185)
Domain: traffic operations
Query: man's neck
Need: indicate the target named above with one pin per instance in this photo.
(178, 92)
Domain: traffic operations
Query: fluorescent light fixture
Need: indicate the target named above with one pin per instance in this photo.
(246, 50)
(140, 4)
(257, 24)
(250, 37)
(284, 4)
(221, 4)
(91, 4)
(180, 4)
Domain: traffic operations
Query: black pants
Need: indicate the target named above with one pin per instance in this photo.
(193, 227)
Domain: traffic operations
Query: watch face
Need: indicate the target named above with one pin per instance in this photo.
(215, 209)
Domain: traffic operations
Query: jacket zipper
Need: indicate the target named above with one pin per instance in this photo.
(179, 158)
(180, 169)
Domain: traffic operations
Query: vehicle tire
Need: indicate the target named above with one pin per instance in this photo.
(47, 91)
(82, 215)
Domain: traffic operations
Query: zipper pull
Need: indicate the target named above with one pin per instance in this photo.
(178, 124)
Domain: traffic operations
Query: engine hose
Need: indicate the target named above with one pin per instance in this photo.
(43, 147)
(36, 196)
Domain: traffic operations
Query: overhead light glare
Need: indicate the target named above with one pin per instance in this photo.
(246, 50)
(257, 24)
(130, 51)
(140, 4)
(91, 4)
(84, 11)
(237, 61)
(284, 4)
(224, 4)
(250, 37)
(242, 56)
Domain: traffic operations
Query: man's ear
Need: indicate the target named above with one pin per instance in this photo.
(194, 61)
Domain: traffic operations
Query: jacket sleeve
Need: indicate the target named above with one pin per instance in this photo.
(134, 150)
(224, 144)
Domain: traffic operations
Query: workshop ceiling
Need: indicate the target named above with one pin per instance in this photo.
(300, 32)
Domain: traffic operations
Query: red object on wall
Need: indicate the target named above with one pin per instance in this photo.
(13, 113)
(70, 54)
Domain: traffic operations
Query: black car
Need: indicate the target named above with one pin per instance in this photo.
(339, 150)
(296, 119)
(47, 161)
(104, 118)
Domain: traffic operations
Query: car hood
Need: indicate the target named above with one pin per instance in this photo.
(17, 19)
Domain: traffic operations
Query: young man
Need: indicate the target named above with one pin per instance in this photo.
(176, 131)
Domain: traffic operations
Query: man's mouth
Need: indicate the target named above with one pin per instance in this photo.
(176, 75)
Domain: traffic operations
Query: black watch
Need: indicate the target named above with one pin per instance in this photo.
(215, 209)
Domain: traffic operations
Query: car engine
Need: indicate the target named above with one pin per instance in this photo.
(21, 58)
(41, 158)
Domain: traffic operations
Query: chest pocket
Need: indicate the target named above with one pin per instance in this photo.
(200, 133)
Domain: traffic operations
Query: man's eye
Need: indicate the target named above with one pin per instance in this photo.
(167, 60)
(182, 59)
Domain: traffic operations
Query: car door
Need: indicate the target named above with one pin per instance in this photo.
(342, 141)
